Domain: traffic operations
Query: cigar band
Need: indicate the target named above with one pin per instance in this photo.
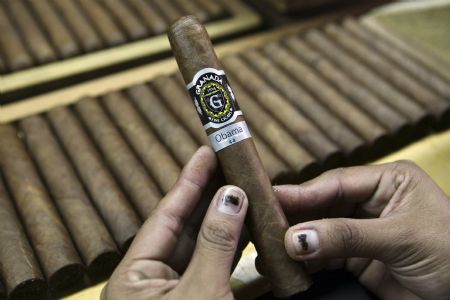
(213, 98)
(229, 135)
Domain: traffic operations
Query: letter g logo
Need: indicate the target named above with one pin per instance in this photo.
(216, 102)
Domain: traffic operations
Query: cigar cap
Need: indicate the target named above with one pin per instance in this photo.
(192, 47)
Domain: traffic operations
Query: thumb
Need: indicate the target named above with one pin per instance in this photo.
(216, 243)
(341, 238)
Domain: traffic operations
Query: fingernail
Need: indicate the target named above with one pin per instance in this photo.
(230, 202)
(305, 241)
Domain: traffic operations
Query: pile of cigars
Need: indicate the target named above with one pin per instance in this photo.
(78, 181)
(39, 32)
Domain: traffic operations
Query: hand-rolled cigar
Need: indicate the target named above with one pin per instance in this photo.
(155, 157)
(133, 27)
(192, 8)
(340, 133)
(86, 35)
(48, 235)
(2, 66)
(168, 10)
(174, 136)
(34, 38)
(2, 290)
(275, 134)
(102, 22)
(154, 21)
(277, 170)
(298, 125)
(16, 56)
(18, 266)
(361, 97)
(109, 199)
(364, 75)
(214, 8)
(420, 72)
(420, 93)
(236, 151)
(58, 33)
(356, 119)
(90, 235)
(174, 96)
(137, 183)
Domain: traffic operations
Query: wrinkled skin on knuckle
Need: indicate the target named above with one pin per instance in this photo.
(216, 236)
(346, 237)
(405, 172)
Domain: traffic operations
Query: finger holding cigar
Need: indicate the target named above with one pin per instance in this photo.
(231, 139)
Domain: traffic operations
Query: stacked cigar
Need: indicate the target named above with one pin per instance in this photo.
(39, 32)
(77, 182)
(289, 6)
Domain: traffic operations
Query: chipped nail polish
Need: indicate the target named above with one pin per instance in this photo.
(305, 241)
(230, 202)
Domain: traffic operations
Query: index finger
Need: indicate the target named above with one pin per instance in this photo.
(159, 234)
(371, 186)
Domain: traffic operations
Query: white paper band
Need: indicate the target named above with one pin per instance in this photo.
(229, 135)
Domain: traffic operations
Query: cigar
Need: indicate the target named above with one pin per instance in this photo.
(105, 193)
(192, 8)
(174, 96)
(110, 33)
(58, 33)
(332, 126)
(152, 19)
(2, 290)
(77, 22)
(295, 156)
(168, 10)
(416, 90)
(175, 137)
(133, 27)
(52, 244)
(19, 267)
(34, 38)
(2, 66)
(357, 120)
(135, 180)
(366, 76)
(299, 125)
(155, 157)
(96, 247)
(402, 59)
(214, 8)
(16, 56)
(396, 123)
(236, 152)
(277, 170)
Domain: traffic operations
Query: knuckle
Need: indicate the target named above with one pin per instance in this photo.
(406, 173)
(346, 237)
(216, 235)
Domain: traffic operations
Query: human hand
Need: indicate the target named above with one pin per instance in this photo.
(144, 272)
(388, 224)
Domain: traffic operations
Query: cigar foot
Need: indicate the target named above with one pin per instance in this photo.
(67, 277)
(103, 266)
(31, 289)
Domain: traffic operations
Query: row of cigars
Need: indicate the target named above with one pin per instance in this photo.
(77, 182)
(44, 31)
